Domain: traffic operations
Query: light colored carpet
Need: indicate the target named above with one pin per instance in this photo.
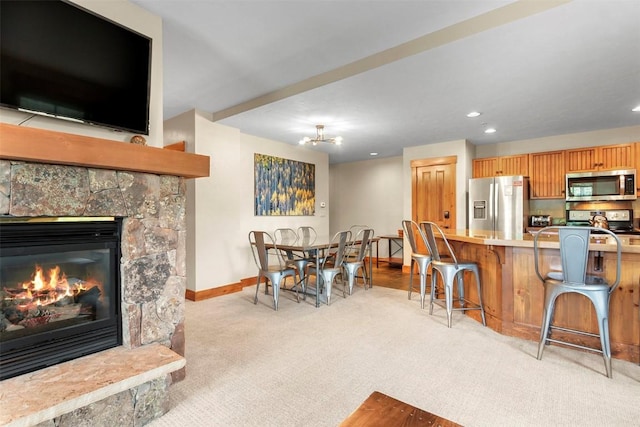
(249, 365)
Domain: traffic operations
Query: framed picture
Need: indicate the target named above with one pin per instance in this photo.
(283, 187)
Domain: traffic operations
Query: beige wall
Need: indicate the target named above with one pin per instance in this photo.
(367, 192)
(140, 20)
(221, 210)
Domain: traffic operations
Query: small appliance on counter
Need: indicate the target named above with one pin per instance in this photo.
(614, 216)
(540, 220)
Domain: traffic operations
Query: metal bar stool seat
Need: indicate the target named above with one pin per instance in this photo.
(574, 278)
(421, 259)
(451, 269)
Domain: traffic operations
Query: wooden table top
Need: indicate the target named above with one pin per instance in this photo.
(380, 410)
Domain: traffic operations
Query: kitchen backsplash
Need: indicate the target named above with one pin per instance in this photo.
(556, 208)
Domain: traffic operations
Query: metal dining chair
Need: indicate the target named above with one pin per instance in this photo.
(274, 273)
(330, 266)
(285, 235)
(297, 260)
(308, 234)
(574, 278)
(356, 231)
(363, 240)
(420, 257)
(450, 269)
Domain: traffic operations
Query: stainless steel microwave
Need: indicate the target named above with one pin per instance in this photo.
(601, 185)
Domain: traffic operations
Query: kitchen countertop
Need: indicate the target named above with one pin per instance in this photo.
(630, 243)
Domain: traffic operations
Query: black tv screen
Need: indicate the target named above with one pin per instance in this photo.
(61, 60)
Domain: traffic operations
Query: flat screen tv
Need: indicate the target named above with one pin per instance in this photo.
(60, 60)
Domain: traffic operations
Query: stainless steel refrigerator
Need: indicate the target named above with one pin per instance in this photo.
(499, 204)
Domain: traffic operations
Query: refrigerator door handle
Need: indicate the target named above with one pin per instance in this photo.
(496, 205)
(492, 218)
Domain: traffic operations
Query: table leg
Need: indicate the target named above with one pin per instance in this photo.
(371, 263)
(318, 273)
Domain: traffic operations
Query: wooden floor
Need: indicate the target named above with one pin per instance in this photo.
(388, 276)
(391, 276)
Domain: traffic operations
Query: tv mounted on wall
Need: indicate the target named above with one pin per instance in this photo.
(60, 60)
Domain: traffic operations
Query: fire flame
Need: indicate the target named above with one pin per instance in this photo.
(47, 288)
(49, 296)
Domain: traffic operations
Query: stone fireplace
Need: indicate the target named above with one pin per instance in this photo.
(60, 290)
(151, 207)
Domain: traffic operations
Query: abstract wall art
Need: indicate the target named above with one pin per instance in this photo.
(283, 187)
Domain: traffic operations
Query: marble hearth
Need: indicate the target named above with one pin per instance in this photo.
(153, 276)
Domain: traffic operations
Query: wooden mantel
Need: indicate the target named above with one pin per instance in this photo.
(46, 146)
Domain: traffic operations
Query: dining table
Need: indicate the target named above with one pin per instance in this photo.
(316, 247)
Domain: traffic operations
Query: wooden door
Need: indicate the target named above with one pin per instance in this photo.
(434, 191)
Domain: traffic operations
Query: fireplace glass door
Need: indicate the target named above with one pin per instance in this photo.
(60, 289)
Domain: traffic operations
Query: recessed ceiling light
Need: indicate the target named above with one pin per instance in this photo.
(636, 110)
(490, 130)
(474, 114)
(373, 154)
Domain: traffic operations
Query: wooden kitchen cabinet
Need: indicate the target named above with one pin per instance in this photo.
(604, 157)
(499, 166)
(547, 175)
(637, 166)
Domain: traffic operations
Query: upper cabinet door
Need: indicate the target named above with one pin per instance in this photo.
(617, 156)
(600, 158)
(637, 166)
(499, 166)
(483, 168)
(547, 175)
(515, 165)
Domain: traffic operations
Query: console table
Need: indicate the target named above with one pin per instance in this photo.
(395, 247)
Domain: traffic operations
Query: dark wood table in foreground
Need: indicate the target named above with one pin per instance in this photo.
(380, 410)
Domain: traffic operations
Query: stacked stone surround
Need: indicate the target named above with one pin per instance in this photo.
(153, 267)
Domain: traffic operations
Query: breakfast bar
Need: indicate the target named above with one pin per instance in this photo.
(513, 296)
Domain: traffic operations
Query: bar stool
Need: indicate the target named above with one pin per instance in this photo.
(574, 255)
(450, 269)
(420, 257)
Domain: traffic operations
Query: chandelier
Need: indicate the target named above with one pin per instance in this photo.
(320, 138)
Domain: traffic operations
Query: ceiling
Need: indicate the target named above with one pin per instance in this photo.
(391, 74)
